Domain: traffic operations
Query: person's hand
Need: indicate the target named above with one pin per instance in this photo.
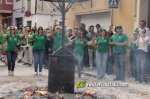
(94, 38)
(49, 49)
(55, 21)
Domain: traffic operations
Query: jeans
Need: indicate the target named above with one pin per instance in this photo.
(79, 58)
(38, 59)
(46, 59)
(109, 67)
(86, 56)
(91, 57)
(101, 61)
(133, 66)
(11, 58)
(141, 65)
(119, 59)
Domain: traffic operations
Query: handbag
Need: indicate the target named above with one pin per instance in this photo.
(3, 52)
(15, 48)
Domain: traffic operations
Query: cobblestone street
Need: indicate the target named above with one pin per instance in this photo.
(24, 78)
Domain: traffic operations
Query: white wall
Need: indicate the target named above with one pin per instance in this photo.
(141, 12)
(102, 18)
(42, 18)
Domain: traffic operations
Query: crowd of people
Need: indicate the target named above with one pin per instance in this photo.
(101, 49)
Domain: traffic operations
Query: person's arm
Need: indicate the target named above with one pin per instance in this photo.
(121, 44)
(137, 42)
(28, 36)
(22, 34)
(110, 28)
(93, 42)
(145, 40)
(110, 53)
(125, 43)
(4, 35)
(53, 29)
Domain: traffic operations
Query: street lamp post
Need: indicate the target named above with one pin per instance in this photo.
(62, 69)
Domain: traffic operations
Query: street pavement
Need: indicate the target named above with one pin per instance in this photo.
(24, 78)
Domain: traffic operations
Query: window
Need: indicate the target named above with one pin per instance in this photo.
(9, 1)
(0, 1)
(29, 5)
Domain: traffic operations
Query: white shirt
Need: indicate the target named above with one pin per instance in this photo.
(143, 46)
(147, 32)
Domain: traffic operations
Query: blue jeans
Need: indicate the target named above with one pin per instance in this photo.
(79, 58)
(46, 59)
(133, 66)
(101, 61)
(109, 67)
(141, 65)
(119, 60)
(11, 58)
(38, 59)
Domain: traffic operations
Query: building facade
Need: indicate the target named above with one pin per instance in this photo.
(42, 13)
(129, 14)
(6, 7)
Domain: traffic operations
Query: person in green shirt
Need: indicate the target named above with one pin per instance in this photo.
(80, 42)
(119, 42)
(102, 43)
(132, 57)
(12, 40)
(39, 48)
(91, 49)
(58, 39)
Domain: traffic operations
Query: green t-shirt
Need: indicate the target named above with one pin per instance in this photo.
(79, 45)
(121, 38)
(89, 37)
(11, 42)
(133, 47)
(39, 41)
(30, 42)
(58, 41)
(19, 31)
(102, 44)
(2, 40)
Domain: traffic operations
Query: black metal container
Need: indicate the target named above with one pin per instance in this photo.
(61, 72)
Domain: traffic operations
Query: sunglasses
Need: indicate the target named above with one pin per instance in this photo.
(12, 29)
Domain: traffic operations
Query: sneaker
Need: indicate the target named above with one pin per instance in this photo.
(46, 67)
(137, 82)
(143, 82)
(35, 74)
(12, 73)
(116, 79)
(29, 64)
(19, 61)
(91, 67)
(25, 63)
(99, 78)
(40, 73)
